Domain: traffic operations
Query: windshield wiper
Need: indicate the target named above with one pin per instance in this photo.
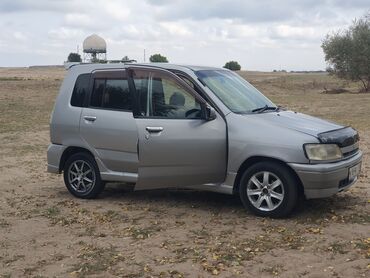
(264, 108)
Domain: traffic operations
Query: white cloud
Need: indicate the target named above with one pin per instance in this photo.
(260, 34)
(177, 29)
(78, 20)
(116, 10)
(20, 36)
(288, 31)
(64, 33)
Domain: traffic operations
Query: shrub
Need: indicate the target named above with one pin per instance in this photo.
(348, 52)
(74, 57)
(158, 58)
(232, 65)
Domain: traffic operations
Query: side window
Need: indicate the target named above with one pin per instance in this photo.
(188, 82)
(97, 93)
(117, 95)
(162, 96)
(80, 90)
(111, 93)
(192, 85)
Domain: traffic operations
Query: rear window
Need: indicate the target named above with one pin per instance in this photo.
(80, 90)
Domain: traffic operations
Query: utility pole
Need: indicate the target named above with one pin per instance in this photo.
(144, 55)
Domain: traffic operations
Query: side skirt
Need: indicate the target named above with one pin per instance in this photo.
(227, 187)
(108, 175)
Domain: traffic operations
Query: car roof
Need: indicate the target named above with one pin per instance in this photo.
(88, 67)
(177, 66)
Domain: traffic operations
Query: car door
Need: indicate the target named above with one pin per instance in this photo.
(107, 124)
(177, 146)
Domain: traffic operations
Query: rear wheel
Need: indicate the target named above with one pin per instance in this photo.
(82, 177)
(268, 189)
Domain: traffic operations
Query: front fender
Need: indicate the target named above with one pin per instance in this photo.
(249, 137)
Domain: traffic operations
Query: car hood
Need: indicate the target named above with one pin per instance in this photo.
(299, 122)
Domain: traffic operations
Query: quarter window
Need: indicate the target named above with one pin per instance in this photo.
(80, 90)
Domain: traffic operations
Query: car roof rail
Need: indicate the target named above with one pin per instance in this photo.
(120, 61)
(68, 65)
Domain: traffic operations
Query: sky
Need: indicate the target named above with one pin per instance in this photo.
(260, 35)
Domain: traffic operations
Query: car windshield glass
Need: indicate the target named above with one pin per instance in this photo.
(234, 91)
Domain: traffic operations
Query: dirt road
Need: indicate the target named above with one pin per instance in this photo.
(45, 232)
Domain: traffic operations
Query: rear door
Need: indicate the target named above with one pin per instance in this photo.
(107, 124)
(177, 146)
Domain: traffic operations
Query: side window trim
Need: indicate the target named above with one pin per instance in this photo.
(149, 103)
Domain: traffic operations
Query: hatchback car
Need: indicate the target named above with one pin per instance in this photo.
(164, 125)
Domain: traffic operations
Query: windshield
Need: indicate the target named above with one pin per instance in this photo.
(235, 92)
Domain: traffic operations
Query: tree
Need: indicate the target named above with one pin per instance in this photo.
(232, 65)
(348, 52)
(74, 57)
(125, 58)
(158, 58)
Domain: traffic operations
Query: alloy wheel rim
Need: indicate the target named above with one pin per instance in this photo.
(265, 191)
(81, 176)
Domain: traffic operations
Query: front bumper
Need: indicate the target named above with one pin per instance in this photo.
(325, 180)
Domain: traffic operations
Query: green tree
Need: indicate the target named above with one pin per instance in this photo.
(232, 65)
(158, 58)
(347, 52)
(74, 57)
(125, 58)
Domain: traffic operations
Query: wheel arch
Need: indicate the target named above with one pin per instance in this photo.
(68, 152)
(255, 159)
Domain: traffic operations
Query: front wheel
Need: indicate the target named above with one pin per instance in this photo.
(82, 176)
(268, 189)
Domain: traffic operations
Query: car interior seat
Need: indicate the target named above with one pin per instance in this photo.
(177, 99)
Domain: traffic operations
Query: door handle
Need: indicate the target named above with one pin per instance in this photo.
(154, 129)
(90, 118)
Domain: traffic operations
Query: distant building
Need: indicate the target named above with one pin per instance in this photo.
(94, 49)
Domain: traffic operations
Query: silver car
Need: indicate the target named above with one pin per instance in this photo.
(164, 125)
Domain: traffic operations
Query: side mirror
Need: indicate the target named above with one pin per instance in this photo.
(210, 113)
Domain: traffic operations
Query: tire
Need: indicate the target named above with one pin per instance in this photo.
(82, 176)
(269, 189)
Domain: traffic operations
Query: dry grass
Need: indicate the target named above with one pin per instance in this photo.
(45, 232)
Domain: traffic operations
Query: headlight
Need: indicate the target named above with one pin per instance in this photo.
(323, 151)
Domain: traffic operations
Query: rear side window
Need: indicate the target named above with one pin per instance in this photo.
(111, 94)
(117, 94)
(80, 90)
(98, 91)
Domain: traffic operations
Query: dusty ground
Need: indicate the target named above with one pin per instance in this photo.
(45, 232)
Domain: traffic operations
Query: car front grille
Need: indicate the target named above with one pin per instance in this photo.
(346, 138)
(350, 153)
